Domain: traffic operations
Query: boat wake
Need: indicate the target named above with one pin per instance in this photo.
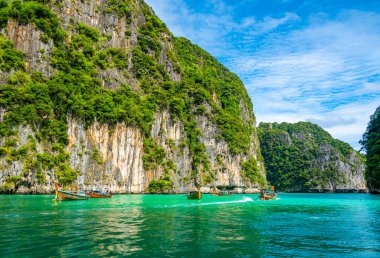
(244, 200)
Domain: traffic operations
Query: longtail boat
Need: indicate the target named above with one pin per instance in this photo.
(194, 195)
(68, 195)
(224, 193)
(266, 196)
(98, 194)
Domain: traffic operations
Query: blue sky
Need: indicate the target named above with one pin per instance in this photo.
(300, 60)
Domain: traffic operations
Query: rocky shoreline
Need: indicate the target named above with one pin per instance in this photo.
(205, 190)
(45, 190)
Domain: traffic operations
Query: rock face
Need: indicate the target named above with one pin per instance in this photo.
(116, 154)
(118, 163)
(348, 171)
(303, 157)
(28, 40)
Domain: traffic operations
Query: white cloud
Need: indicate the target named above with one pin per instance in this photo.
(368, 88)
(269, 23)
(347, 123)
(214, 28)
(219, 6)
(327, 73)
(333, 121)
(248, 22)
(207, 29)
(353, 132)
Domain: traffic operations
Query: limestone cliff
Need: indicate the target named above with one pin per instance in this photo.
(302, 157)
(102, 93)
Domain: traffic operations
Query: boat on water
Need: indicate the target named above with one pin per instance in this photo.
(267, 196)
(194, 195)
(69, 195)
(98, 194)
(223, 193)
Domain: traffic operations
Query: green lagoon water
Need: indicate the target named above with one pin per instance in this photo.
(297, 225)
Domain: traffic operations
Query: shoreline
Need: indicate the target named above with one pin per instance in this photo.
(185, 193)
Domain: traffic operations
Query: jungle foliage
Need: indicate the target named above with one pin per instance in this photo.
(24, 12)
(290, 152)
(371, 145)
(251, 173)
(163, 185)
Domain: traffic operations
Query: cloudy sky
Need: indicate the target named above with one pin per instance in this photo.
(300, 60)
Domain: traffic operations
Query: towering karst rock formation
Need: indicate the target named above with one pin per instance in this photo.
(101, 91)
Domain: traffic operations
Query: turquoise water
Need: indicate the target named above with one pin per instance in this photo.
(297, 225)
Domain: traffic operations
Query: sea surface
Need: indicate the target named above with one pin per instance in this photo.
(297, 225)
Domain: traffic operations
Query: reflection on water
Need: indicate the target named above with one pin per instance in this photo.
(171, 225)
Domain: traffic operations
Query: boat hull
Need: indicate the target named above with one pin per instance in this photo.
(194, 195)
(268, 198)
(66, 196)
(98, 195)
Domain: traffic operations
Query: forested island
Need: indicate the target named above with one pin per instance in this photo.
(302, 157)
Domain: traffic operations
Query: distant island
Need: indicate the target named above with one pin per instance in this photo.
(302, 157)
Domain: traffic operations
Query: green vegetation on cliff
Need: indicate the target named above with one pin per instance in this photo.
(302, 156)
(251, 173)
(9, 57)
(371, 144)
(164, 185)
(209, 81)
(32, 12)
(76, 88)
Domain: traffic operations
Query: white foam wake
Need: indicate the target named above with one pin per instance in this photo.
(245, 199)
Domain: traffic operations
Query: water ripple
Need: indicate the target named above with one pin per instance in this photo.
(172, 226)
